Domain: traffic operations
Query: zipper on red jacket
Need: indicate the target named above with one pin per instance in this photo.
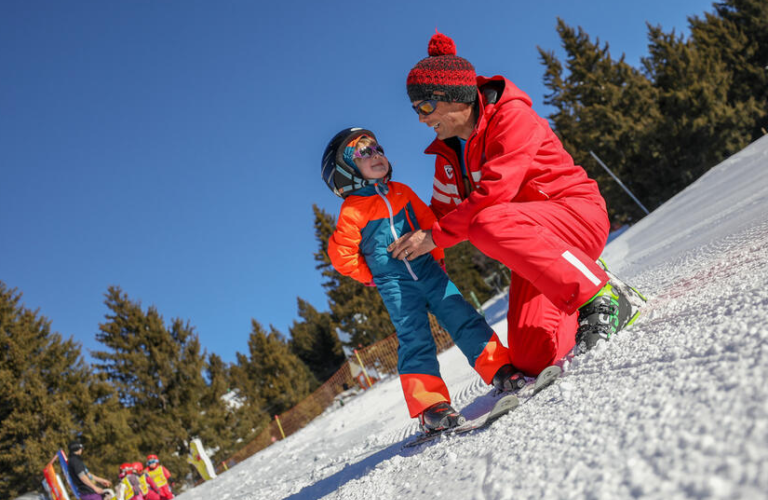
(470, 179)
(392, 228)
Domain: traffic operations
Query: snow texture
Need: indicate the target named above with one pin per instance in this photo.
(675, 407)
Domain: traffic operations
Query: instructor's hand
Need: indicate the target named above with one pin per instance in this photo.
(412, 245)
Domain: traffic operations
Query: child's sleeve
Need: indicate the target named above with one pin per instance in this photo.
(344, 247)
(426, 218)
(151, 482)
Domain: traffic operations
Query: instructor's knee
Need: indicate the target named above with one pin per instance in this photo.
(484, 227)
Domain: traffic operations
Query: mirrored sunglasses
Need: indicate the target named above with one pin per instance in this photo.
(425, 108)
(369, 151)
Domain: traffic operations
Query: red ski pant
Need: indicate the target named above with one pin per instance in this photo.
(551, 247)
(152, 495)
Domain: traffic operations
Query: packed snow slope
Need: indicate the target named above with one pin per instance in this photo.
(675, 407)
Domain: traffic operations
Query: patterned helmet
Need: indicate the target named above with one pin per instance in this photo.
(339, 172)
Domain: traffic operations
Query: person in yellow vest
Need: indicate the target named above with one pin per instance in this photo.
(130, 483)
(120, 487)
(147, 485)
(160, 475)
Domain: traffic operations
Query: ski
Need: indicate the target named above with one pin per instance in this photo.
(504, 405)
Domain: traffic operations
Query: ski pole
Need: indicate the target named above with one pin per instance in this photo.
(619, 181)
(277, 419)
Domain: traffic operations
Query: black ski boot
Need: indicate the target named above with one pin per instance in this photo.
(508, 379)
(615, 307)
(440, 417)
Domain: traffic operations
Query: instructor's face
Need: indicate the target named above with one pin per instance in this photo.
(449, 119)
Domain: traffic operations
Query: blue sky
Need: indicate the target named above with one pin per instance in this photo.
(173, 148)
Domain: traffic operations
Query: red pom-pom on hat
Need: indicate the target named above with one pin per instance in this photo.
(441, 45)
(442, 76)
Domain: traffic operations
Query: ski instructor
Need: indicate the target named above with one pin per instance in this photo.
(504, 182)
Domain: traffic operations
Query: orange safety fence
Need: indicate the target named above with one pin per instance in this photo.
(378, 360)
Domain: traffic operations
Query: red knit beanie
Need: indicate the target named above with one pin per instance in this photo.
(443, 75)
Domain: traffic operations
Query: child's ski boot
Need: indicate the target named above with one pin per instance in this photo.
(440, 417)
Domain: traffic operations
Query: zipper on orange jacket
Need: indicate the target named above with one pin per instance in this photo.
(392, 228)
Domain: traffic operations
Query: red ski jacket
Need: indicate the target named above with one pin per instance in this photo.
(511, 156)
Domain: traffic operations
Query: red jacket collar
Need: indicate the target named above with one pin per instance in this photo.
(504, 91)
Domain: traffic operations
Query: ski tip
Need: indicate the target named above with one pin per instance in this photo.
(546, 377)
(502, 407)
(508, 401)
(551, 371)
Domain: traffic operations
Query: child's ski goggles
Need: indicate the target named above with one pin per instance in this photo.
(425, 108)
(369, 151)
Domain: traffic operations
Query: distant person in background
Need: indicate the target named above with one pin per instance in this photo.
(160, 477)
(85, 481)
(120, 486)
(504, 182)
(130, 482)
(148, 488)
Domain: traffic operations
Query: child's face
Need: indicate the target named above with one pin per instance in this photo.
(375, 166)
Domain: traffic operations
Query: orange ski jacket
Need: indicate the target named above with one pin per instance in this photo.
(369, 221)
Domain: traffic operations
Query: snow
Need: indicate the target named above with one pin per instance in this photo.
(675, 407)
(232, 399)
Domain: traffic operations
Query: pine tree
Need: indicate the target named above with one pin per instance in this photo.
(248, 407)
(315, 342)
(222, 419)
(698, 127)
(48, 397)
(693, 103)
(474, 272)
(105, 427)
(157, 371)
(272, 372)
(606, 106)
(737, 34)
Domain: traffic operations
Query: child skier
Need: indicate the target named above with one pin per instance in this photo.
(120, 488)
(131, 483)
(375, 212)
(159, 476)
(147, 487)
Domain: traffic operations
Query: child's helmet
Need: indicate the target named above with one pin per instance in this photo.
(137, 467)
(152, 460)
(124, 468)
(342, 176)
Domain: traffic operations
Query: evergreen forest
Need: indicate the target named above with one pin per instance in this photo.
(152, 387)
